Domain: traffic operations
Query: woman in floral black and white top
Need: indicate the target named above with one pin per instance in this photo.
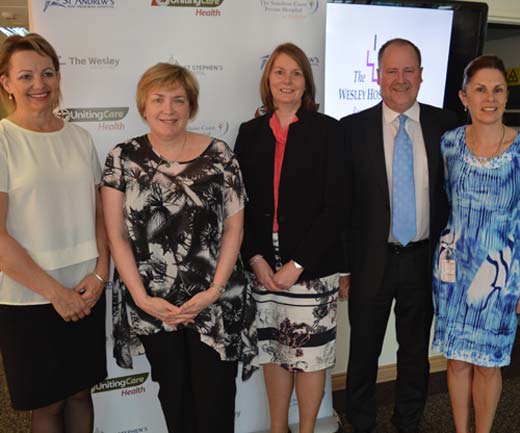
(174, 203)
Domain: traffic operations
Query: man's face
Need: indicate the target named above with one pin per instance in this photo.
(399, 77)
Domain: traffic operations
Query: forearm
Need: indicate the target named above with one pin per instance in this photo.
(18, 265)
(103, 260)
(229, 249)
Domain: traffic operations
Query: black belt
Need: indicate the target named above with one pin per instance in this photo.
(398, 248)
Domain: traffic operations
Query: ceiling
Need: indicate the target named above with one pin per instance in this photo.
(13, 13)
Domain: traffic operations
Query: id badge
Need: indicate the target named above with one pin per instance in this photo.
(448, 268)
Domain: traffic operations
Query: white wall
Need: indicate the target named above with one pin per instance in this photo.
(503, 11)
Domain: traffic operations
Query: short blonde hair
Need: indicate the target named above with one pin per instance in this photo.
(297, 54)
(29, 42)
(168, 75)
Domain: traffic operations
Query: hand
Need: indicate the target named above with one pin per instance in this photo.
(69, 305)
(264, 274)
(90, 289)
(287, 275)
(159, 308)
(344, 287)
(518, 307)
(191, 309)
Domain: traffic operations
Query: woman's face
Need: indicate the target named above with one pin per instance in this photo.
(485, 96)
(33, 82)
(167, 111)
(286, 82)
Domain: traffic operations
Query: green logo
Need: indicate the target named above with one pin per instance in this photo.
(121, 382)
(95, 114)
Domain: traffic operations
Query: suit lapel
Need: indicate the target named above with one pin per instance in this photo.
(265, 158)
(294, 151)
(430, 135)
(376, 148)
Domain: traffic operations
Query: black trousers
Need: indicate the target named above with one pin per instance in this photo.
(407, 280)
(196, 388)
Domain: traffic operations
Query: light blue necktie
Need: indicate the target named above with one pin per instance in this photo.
(403, 187)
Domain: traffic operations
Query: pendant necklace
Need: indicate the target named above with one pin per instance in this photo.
(483, 160)
(167, 162)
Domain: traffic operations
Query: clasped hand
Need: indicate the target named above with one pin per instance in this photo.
(76, 304)
(185, 314)
(286, 276)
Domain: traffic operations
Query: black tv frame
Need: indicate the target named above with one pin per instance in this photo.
(468, 36)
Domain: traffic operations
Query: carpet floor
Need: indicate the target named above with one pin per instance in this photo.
(437, 415)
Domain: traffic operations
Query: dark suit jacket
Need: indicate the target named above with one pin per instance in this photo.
(369, 225)
(311, 209)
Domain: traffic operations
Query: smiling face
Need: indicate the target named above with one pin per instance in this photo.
(286, 82)
(33, 82)
(167, 111)
(485, 96)
(399, 77)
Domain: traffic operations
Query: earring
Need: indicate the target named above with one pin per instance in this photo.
(465, 108)
(10, 96)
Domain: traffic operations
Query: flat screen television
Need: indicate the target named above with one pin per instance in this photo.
(448, 33)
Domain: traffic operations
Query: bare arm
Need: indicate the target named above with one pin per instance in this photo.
(91, 288)
(228, 254)
(16, 263)
(124, 259)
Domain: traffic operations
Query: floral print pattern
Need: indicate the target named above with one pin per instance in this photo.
(297, 327)
(175, 213)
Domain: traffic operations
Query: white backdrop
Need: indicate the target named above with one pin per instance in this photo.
(104, 47)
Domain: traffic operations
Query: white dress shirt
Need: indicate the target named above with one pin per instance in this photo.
(420, 165)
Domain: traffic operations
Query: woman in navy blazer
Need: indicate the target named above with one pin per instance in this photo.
(293, 163)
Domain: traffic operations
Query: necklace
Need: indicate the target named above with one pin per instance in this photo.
(169, 162)
(482, 160)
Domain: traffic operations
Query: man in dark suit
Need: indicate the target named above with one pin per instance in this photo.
(397, 211)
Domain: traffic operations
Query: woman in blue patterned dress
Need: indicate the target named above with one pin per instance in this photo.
(476, 272)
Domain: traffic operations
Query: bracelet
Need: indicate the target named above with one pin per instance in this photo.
(98, 277)
(255, 259)
(221, 288)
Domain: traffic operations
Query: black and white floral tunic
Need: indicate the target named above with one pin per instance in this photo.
(174, 213)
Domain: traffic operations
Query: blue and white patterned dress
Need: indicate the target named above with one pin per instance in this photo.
(476, 316)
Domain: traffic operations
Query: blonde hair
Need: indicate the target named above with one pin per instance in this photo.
(168, 75)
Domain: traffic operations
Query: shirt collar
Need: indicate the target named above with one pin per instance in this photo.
(390, 115)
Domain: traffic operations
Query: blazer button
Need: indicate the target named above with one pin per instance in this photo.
(268, 215)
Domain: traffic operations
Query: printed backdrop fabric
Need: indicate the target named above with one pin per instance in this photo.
(104, 47)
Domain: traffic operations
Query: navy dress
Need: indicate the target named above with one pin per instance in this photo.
(475, 308)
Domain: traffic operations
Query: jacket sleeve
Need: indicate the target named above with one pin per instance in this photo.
(249, 243)
(346, 234)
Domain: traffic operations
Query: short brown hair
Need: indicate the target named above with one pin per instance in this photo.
(483, 62)
(168, 75)
(297, 54)
(29, 42)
